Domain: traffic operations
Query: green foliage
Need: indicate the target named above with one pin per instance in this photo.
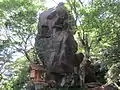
(18, 19)
(98, 33)
(21, 73)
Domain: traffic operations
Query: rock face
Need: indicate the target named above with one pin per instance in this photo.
(89, 73)
(98, 86)
(54, 43)
(56, 48)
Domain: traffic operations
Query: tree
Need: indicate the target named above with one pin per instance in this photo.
(19, 21)
(98, 32)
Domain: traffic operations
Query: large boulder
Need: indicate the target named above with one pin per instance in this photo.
(54, 43)
(57, 52)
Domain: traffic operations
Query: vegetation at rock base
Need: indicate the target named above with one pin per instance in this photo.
(97, 33)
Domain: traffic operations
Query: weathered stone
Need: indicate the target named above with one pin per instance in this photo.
(55, 44)
(99, 86)
(89, 73)
(56, 48)
(103, 88)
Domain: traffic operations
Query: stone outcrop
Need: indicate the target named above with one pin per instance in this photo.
(56, 48)
(98, 86)
(54, 43)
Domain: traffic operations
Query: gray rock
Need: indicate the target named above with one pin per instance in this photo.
(57, 52)
(55, 45)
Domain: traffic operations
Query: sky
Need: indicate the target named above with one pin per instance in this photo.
(52, 3)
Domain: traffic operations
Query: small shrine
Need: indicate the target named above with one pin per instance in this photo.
(37, 74)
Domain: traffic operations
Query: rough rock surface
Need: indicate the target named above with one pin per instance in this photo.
(55, 46)
(98, 86)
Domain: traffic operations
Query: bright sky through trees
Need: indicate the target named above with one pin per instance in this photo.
(52, 3)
